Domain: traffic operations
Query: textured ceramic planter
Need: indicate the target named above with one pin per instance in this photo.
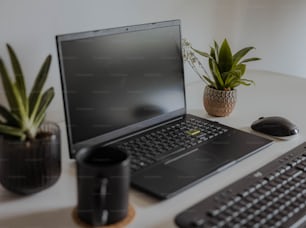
(218, 102)
(31, 166)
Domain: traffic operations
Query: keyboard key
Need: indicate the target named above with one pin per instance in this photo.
(198, 223)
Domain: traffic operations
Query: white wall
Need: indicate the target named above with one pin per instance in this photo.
(278, 30)
(275, 27)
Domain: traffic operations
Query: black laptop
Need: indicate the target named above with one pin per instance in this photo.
(125, 87)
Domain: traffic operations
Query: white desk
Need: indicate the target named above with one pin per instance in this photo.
(273, 94)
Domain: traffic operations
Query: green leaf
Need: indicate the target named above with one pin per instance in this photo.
(8, 130)
(20, 84)
(248, 81)
(7, 85)
(240, 54)
(250, 60)
(35, 109)
(201, 53)
(39, 120)
(210, 82)
(10, 118)
(217, 74)
(240, 69)
(216, 49)
(212, 59)
(225, 57)
(230, 80)
(235, 84)
(213, 56)
(245, 82)
(39, 83)
(12, 94)
(45, 102)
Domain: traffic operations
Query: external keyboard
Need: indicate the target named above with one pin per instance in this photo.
(155, 145)
(273, 196)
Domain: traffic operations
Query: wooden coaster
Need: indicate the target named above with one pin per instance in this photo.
(127, 220)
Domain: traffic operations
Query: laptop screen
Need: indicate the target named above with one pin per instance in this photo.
(117, 81)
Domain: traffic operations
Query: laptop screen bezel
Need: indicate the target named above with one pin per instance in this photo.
(127, 130)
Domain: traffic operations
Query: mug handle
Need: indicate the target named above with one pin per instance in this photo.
(100, 212)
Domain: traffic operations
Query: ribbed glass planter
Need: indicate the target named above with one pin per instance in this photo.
(31, 166)
(219, 102)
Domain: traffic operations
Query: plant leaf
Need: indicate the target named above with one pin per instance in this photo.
(225, 57)
(209, 81)
(35, 109)
(46, 99)
(248, 81)
(7, 85)
(217, 74)
(39, 83)
(20, 84)
(240, 54)
(216, 49)
(12, 93)
(205, 54)
(8, 130)
(245, 82)
(10, 118)
(240, 69)
(212, 59)
(39, 120)
(230, 80)
(250, 60)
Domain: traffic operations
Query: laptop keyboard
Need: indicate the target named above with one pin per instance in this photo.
(273, 196)
(151, 147)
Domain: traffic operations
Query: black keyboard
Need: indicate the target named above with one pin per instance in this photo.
(273, 196)
(155, 145)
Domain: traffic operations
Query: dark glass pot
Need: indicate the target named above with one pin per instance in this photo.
(31, 166)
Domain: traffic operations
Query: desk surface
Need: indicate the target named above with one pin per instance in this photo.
(273, 94)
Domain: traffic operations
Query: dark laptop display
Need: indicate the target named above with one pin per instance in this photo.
(127, 83)
(120, 80)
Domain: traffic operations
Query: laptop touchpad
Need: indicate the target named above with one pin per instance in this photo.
(169, 179)
(198, 162)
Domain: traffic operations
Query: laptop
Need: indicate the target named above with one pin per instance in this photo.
(125, 87)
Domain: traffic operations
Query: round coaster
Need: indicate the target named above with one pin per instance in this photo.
(127, 220)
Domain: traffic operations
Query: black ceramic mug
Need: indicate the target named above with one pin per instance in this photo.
(103, 179)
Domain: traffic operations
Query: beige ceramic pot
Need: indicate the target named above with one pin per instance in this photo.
(219, 102)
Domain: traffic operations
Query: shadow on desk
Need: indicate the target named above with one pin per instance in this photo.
(61, 217)
(6, 196)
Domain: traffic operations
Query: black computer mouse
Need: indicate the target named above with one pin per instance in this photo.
(275, 126)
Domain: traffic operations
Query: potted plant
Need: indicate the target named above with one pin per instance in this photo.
(29, 147)
(226, 73)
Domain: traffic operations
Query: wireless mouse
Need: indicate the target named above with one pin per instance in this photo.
(275, 126)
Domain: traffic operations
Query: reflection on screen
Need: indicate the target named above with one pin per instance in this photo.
(113, 81)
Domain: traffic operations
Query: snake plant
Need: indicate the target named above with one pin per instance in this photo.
(226, 69)
(25, 112)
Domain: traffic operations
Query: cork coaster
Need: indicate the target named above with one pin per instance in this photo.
(127, 220)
